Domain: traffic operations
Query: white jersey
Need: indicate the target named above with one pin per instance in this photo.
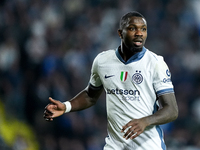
(131, 88)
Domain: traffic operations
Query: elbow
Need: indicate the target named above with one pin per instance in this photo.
(174, 114)
(93, 101)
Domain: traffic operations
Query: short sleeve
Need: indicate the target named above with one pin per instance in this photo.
(94, 77)
(162, 78)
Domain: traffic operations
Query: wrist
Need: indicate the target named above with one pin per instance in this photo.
(68, 106)
(147, 121)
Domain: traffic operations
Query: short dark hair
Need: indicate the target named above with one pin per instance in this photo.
(125, 18)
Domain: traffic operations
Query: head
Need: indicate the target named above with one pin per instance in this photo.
(133, 31)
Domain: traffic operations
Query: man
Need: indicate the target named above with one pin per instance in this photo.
(137, 82)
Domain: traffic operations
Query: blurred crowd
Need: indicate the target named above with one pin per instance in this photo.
(47, 48)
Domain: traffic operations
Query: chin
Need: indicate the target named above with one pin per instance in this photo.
(137, 49)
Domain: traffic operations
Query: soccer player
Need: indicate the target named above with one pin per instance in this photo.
(139, 91)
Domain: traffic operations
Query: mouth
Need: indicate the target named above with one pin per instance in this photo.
(138, 42)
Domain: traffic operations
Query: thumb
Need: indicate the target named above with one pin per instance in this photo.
(52, 100)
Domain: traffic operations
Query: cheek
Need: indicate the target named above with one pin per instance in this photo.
(128, 38)
(145, 37)
(126, 34)
(128, 42)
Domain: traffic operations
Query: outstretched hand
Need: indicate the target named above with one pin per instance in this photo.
(53, 109)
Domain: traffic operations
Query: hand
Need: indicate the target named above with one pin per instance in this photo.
(134, 128)
(54, 109)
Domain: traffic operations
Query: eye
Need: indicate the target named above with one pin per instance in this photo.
(144, 29)
(131, 28)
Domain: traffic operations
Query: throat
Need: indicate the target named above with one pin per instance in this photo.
(126, 55)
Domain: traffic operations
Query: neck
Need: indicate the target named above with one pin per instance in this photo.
(127, 53)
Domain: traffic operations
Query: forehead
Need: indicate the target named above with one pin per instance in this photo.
(136, 20)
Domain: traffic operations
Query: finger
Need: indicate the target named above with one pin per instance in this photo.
(48, 119)
(47, 116)
(136, 133)
(127, 131)
(124, 128)
(133, 135)
(46, 110)
(50, 108)
(47, 113)
(128, 125)
(47, 107)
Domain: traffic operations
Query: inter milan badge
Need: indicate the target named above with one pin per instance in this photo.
(137, 77)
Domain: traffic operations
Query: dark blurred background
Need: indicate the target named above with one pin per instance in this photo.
(47, 48)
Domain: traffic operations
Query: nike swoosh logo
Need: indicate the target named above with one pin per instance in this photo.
(109, 76)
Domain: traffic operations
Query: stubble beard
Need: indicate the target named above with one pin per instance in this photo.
(136, 49)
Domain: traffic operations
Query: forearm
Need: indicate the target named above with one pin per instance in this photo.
(162, 116)
(81, 101)
(168, 111)
(86, 98)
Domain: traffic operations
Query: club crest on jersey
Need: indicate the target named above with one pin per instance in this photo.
(123, 76)
(137, 77)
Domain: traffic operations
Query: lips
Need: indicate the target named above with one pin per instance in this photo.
(137, 42)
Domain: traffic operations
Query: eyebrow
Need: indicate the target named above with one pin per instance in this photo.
(137, 25)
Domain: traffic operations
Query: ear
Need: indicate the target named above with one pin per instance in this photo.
(120, 33)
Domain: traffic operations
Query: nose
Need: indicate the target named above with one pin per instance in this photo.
(138, 33)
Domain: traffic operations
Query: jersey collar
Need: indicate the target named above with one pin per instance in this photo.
(134, 58)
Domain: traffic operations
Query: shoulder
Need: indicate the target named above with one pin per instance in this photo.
(157, 62)
(105, 55)
(154, 60)
(153, 56)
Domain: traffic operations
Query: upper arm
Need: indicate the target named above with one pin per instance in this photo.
(95, 87)
(94, 92)
(162, 78)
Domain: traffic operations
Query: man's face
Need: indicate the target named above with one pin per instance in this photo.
(134, 34)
